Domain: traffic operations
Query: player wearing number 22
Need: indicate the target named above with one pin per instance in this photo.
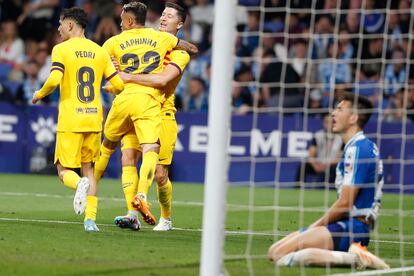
(138, 50)
(78, 65)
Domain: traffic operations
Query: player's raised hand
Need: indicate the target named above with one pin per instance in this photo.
(35, 99)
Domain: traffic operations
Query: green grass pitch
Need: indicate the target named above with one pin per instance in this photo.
(41, 235)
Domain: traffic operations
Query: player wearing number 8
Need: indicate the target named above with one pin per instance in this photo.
(78, 65)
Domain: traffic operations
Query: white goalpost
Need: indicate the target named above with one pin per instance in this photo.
(216, 182)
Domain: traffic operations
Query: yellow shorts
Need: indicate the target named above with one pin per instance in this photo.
(74, 148)
(130, 141)
(168, 138)
(138, 111)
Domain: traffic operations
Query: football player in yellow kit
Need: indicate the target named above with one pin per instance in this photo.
(172, 19)
(78, 65)
(137, 50)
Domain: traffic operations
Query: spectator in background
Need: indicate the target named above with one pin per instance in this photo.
(36, 20)
(334, 70)
(325, 152)
(191, 32)
(44, 62)
(242, 91)
(103, 19)
(404, 14)
(241, 99)
(105, 29)
(249, 40)
(11, 46)
(323, 36)
(346, 48)
(31, 83)
(371, 57)
(10, 10)
(401, 104)
(395, 39)
(299, 54)
(395, 73)
(315, 103)
(352, 22)
(294, 28)
(197, 100)
(394, 111)
(153, 17)
(278, 85)
(202, 12)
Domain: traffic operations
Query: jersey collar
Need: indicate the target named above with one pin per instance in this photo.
(358, 136)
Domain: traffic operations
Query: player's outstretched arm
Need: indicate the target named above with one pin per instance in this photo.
(159, 80)
(340, 208)
(187, 46)
(50, 85)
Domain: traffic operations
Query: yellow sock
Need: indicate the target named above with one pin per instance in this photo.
(165, 198)
(129, 184)
(102, 163)
(71, 179)
(146, 173)
(91, 207)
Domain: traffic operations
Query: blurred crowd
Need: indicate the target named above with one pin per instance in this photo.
(291, 56)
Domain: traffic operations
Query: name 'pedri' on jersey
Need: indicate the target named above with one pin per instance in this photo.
(361, 166)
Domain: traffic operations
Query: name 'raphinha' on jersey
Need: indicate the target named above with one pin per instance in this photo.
(138, 41)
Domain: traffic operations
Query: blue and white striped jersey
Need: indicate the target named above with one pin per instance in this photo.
(361, 166)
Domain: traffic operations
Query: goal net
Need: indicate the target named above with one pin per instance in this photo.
(292, 61)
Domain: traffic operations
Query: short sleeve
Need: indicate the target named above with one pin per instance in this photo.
(179, 59)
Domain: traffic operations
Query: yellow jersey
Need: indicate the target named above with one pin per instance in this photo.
(83, 64)
(141, 51)
(179, 59)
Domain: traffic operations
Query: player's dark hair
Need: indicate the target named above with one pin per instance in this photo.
(138, 9)
(181, 12)
(363, 105)
(76, 14)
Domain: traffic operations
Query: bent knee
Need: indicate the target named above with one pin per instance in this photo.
(129, 157)
(277, 251)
